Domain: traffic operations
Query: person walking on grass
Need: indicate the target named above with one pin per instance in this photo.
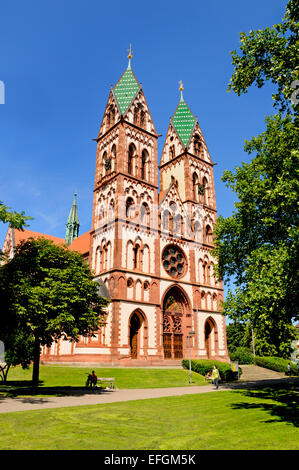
(215, 377)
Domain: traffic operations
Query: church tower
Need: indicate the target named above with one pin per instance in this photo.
(72, 225)
(124, 238)
(151, 247)
(188, 215)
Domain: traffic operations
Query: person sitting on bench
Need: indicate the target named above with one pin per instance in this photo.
(91, 380)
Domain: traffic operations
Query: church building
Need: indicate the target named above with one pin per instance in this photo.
(150, 241)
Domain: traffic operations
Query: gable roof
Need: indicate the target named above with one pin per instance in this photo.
(81, 243)
(20, 235)
(183, 122)
(163, 195)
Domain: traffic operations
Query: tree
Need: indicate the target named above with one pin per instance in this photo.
(18, 350)
(237, 335)
(15, 219)
(258, 244)
(48, 293)
(270, 54)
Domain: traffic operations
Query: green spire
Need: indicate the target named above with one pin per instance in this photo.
(126, 88)
(183, 120)
(72, 225)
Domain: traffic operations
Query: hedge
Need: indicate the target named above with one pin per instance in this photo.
(204, 366)
(276, 363)
(242, 355)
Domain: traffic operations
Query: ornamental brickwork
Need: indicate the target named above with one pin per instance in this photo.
(151, 246)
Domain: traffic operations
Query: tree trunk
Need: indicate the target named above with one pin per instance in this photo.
(4, 371)
(36, 356)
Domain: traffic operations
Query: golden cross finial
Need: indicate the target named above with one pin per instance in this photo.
(181, 89)
(130, 56)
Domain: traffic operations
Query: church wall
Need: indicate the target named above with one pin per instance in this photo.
(132, 244)
(176, 170)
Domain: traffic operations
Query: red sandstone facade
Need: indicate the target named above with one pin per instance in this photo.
(151, 246)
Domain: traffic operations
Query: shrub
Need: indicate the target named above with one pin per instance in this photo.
(242, 355)
(276, 363)
(205, 365)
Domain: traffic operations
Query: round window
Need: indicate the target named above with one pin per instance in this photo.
(174, 261)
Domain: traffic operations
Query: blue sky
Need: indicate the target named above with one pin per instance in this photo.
(58, 60)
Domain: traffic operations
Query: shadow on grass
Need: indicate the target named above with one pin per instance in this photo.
(285, 408)
(24, 388)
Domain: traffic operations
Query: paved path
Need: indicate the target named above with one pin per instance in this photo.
(105, 396)
(254, 378)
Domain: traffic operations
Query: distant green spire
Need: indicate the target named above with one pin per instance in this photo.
(183, 120)
(72, 225)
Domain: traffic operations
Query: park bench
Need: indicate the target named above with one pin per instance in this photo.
(208, 378)
(107, 379)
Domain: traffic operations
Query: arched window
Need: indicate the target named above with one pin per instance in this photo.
(142, 118)
(206, 190)
(145, 214)
(144, 164)
(145, 259)
(130, 209)
(208, 274)
(203, 300)
(112, 115)
(131, 155)
(113, 155)
(111, 210)
(165, 221)
(98, 260)
(104, 160)
(136, 256)
(172, 151)
(130, 254)
(109, 256)
(215, 302)
(212, 274)
(195, 186)
(136, 115)
(197, 230)
(196, 144)
(209, 237)
(178, 225)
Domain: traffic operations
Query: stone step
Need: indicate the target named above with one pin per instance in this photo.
(253, 372)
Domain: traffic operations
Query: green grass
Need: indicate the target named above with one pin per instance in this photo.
(57, 380)
(227, 420)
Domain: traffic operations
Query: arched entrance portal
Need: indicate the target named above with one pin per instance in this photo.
(174, 313)
(210, 337)
(135, 325)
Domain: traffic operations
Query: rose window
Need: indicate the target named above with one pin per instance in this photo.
(174, 261)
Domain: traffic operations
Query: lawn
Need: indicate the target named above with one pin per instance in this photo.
(227, 420)
(56, 379)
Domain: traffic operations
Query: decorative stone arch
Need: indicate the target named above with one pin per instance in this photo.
(175, 307)
(205, 184)
(137, 334)
(113, 157)
(211, 338)
(132, 152)
(144, 167)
